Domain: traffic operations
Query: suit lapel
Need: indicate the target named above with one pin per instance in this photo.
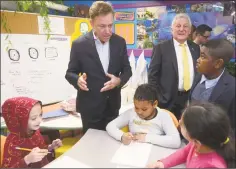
(192, 50)
(111, 54)
(93, 49)
(174, 59)
(193, 53)
(219, 88)
(196, 80)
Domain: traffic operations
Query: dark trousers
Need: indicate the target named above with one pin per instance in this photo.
(100, 123)
(180, 104)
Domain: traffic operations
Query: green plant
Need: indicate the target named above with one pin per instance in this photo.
(6, 28)
(31, 6)
(231, 66)
(71, 11)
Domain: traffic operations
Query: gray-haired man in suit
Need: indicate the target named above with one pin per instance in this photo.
(172, 66)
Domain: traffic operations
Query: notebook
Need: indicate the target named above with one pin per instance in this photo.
(56, 113)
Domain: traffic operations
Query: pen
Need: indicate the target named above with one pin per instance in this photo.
(25, 149)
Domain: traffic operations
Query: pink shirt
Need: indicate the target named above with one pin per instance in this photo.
(193, 160)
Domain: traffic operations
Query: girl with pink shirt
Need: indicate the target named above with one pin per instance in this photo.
(207, 128)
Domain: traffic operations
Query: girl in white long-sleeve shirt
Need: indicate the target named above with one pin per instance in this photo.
(146, 122)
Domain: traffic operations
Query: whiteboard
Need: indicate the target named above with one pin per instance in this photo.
(35, 67)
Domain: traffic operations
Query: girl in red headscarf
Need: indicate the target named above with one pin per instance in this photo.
(23, 117)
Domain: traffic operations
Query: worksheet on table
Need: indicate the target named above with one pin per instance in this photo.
(135, 154)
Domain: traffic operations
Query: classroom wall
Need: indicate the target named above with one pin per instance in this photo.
(27, 44)
(222, 25)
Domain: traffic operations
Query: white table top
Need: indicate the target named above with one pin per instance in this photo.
(96, 149)
(69, 122)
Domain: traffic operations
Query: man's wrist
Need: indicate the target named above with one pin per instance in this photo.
(118, 83)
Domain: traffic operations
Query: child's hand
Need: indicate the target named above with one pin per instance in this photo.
(127, 138)
(157, 164)
(35, 155)
(140, 137)
(55, 144)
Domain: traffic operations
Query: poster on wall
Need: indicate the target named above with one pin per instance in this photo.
(176, 8)
(205, 7)
(57, 25)
(124, 16)
(222, 25)
(81, 11)
(229, 8)
(125, 30)
(81, 27)
(147, 25)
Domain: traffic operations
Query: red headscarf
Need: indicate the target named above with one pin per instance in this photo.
(16, 112)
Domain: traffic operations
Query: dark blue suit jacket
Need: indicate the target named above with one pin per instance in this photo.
(223, 94)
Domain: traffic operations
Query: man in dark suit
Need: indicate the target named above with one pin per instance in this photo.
(214, 83)
(202, 33)
(172, 66)
(101, 57)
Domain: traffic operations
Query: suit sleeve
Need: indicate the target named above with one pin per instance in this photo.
(231, 114)
(74, 67)
(154, 67)
(199, 51)
(126, 72)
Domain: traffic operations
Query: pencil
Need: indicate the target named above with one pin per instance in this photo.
(26, 149)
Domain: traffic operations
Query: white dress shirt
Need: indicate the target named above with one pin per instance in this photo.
(212, 82)
(178, 50)
(103, 52)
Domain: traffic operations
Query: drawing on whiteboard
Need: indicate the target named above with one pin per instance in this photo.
(14, 54)
(84, 28)
(51, 52)
(34, 75)
(33, 53)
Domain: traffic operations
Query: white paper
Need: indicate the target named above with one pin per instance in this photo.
(66, 162)
(57, 25)
(135, 154)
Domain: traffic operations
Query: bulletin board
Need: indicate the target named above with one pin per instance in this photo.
(31, 64)
(126, 30)
(27, 23)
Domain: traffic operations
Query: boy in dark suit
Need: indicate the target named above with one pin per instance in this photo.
(214, 83)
